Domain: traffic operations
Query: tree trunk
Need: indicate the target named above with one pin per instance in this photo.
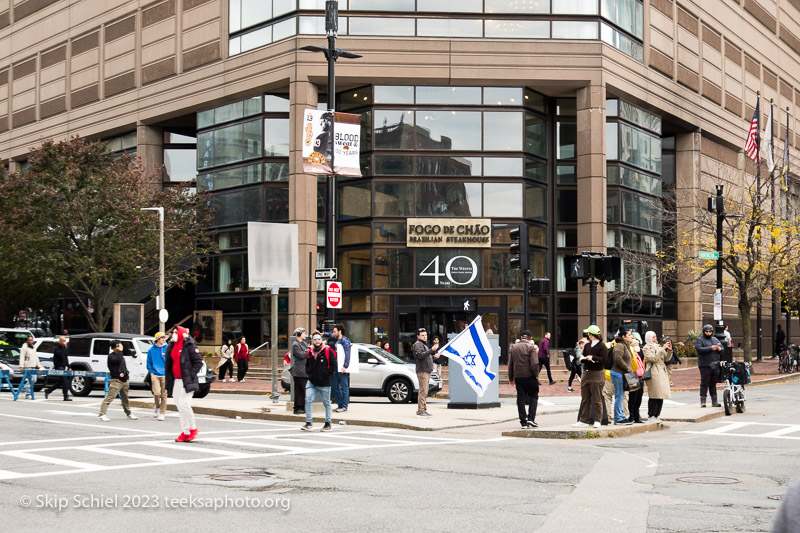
(744, 313)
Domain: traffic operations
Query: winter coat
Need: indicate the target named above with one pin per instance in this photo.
(225, 355)
(655, 359)
(28, 357)
(60, 357)
(622, 357)
(299, 353)
(320, 371)
(705, 355)
(191, 362)
(423, 357)
(524, 361)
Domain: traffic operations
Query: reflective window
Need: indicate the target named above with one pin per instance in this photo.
(515, 6)
(228, 240)
(276, 137)
(612, 141)
(451, 6)
(448, 166)
(567, 205)
(448, 268)
(274, 171)
(448, 199)
(574, 7)
(535, 135)
(449, 28)
(535, 202)
(502, 96)
(640, 117)
(621, 42)
(320, 4)
(536, 170)
(448, 130)
(387, 165)
(611, 108)
(534, 100)
(517, 29)
(572, 29)
(502, 131)
(389, 232)
(394, 199)
(449, 95)
(229, 178)
(236, 207)
(503, 166)
(354, 201)
(639, 211)
(502, 200)
(355, 269)
(284, 29)
(256, 39)
(381, 5)
(276, 203)
(230, 273)
(612, 207)
(498, 274)
(359, 97)
(566, 174)
(276, 103)
(228, 144)
(566, 140)
(394, 268)
(537, 235)
(627, 14)
(246, 13)
(388, 94)
(381, 26)
(180, 165)
(394, 129)
(640, 149)
(279, 7)
(229, 112)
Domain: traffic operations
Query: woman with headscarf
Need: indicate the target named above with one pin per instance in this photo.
(655, 358)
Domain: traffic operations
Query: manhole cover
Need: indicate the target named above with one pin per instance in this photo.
(709, 480)
(621, 445)
(777, 497)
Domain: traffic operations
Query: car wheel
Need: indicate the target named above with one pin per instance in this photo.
(80, 385)
(399, 390)
(203, 392)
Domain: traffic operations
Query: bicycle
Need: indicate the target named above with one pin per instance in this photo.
(735, 375)
(789, 359)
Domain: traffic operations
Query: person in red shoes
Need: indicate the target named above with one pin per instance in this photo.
(183, 362)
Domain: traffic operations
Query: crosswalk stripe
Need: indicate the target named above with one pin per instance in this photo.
(19, 454)
(120, 453)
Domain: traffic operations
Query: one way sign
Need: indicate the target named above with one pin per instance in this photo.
(325, 273)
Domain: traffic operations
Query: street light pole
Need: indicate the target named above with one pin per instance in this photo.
(161, 303)
(331, 54)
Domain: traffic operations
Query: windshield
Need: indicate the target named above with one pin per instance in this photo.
(144, 344)
(9, 355)
(14, 338)
(390, 356)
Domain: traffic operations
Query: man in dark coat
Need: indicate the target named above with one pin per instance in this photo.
(321, 365)
(60, 362)
(117, 382)
(182, 364)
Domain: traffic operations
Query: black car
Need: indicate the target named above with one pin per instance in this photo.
(9, 356)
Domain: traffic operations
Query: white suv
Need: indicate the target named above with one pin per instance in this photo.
(381, 373)
(90, 352)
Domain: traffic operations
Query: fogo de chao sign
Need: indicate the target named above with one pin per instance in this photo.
(449, 232)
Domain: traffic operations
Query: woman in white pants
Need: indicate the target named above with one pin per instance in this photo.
(183, 362)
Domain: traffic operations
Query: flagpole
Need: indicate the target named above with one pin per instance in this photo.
(774, 215)
(759, 325)
(786, 215)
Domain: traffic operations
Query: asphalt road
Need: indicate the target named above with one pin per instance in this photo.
(62, 469)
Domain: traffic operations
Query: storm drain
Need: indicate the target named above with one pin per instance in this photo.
(708, 480)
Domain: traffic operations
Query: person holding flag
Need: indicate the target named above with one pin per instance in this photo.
(423, 356)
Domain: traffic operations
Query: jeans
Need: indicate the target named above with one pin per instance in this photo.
(619, 412)
(527, 399)
(27, 386)
(341, 389)
(311, 395)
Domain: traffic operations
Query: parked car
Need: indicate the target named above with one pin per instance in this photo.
(15, 336)
(9, 360)
(382, 373)
(90, 352)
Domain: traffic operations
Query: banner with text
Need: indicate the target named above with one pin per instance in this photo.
(319, 146)
(449, 232)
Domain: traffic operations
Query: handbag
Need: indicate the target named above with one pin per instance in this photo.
(647, 375)
(630, 381)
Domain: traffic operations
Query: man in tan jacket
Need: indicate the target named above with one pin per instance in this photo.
(523, 368)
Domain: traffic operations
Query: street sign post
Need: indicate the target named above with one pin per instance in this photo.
(333, 294)
(713, 256)
(325, 273)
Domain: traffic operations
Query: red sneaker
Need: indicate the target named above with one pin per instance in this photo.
(183, 437)
(192, 435)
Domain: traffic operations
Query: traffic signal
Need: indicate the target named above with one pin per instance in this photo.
(519, 248)
(607, 268)
(578, 266)
(539, 286)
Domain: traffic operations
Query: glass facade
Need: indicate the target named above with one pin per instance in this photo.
(619, 23)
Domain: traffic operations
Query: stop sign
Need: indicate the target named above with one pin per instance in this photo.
(333, 294)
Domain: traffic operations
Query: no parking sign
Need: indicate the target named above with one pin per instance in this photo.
(333, 294)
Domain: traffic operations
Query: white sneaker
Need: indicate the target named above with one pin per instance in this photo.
(580, 425)
(161, 418)
(225, 380)
(104, 418)
(133, 416)
(597, 425)
(155, 412)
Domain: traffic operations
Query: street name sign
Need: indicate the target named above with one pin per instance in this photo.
(709, 255)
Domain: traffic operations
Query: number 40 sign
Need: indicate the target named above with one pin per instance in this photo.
(460, 270)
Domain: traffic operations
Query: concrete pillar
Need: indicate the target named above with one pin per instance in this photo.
(150, 148)
(302, 207)
(591, 123)
(689, 194)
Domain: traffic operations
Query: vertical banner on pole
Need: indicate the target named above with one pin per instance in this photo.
(318, 146)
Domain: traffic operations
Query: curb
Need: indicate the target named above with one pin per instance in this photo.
(585, 433)
(761, 382)
(702, 418)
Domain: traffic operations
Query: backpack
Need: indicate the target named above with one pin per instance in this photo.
(610, 358)
(327, 351)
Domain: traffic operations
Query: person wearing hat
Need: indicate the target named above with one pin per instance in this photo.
(594, 377)
(155, 365)
(708, 350)
(523, 368)
(298, 370)
(117, 382)
(423, 358)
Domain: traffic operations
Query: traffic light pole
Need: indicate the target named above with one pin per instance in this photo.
(526, 300)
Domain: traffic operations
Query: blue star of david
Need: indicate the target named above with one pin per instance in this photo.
(469, 359)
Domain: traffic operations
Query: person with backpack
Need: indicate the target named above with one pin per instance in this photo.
(595, 354)
(321, 365)
(577, 364)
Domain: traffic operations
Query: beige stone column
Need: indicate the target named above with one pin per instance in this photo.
(302, 206)
(150, 149)
(591, 123)
(688, 187)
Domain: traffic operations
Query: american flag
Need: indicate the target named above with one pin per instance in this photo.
(753, 144)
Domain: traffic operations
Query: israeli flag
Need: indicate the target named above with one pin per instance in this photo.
(471, 350)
